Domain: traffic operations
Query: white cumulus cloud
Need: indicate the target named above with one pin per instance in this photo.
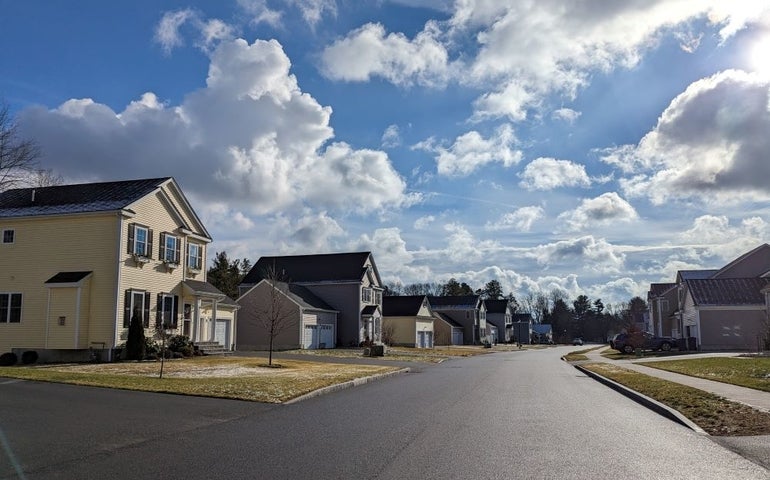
(550, 173)
(605, 209)
(520, 219)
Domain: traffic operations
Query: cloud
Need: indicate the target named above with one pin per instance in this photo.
(593, 254)
(471, 151)
(605, 209)
(368, 51)
(550, 173)
(710, 144)
(313, 10)
(520, 219)
(251, 138)
(566, 114)
(210, 32)
(167, 32)
(258, 12)
(558, 47)
(423, 223)
(311, 232)
(391, 137)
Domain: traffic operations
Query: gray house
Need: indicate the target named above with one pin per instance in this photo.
(302, 319)
(521, 327)
(499, 314)
(466, 310)
(446, 331)
(348, 283)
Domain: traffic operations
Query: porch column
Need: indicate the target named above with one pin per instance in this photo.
(197, 321)
(213, 319)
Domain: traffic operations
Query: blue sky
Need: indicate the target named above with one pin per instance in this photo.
(593, 148)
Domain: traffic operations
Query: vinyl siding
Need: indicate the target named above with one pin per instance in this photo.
(45, 246)
(730, 329)
(252, 334)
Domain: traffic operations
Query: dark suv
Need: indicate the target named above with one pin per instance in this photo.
(628, 342)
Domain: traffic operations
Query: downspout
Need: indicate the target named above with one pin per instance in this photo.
(48, 318)
(77, 317)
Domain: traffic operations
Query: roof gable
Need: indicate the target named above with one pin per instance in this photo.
(496, 306)
(78, 198)
(332, 267)
(751, 264)
(402, 306)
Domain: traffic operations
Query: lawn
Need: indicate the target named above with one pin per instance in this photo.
(403, 354)
(712, 413)
(237, 378)
(751, 372)
(579, 355)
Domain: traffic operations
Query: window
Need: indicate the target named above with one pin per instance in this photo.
(366, 295)
(139, 240)
(167, 310)
(136, 303)
(10, 308)
(169, 248)
(194, 256)
(378, 297)
(8, 236)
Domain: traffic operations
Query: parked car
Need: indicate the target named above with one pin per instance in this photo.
(577, 341)
(628, 342)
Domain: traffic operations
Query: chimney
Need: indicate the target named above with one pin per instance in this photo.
(33, 195)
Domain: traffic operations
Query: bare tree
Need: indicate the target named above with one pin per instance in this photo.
(388, 331)
(45, 178)
(18, 156)
(275, 314)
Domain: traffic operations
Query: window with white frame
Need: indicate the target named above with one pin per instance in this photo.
(194, 256)
(378, 297)
(167, 310)
(139, 240)
(9, 236)
(169, 248)
(366, 295)
(136, 304)
(10, 307)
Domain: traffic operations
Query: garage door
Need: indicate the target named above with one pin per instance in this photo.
(222, 333)
(457, 337)
(310, 339)
(326, 336)
(428, 339)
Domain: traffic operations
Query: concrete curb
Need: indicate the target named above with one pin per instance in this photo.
(342, 386)
(646, 401)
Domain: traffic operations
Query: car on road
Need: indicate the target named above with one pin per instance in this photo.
(577, 341)
(629, 342)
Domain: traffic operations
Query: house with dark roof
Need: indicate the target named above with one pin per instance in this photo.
(500, 315)
(348, 282)
(719, 309)
(521, 327)
(296, 316)
(79, 261)
(468, 311)
(446, 331)
(407, 321)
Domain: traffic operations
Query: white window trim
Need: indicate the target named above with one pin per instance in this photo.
(7, 318)
(192, 261)
(163, 298)
(134, 247)
(170, 251)
(13, 236)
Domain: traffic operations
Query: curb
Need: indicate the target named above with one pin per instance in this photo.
(344, 385)
(645, 401)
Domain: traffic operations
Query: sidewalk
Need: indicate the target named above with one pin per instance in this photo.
(755, 448)
(747, 396)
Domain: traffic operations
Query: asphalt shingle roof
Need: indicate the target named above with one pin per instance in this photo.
(206, 287)
(496, 306)
(446, 319)
(696, 274)
(68, 277)
(402, 306)
(459, 301)
(728, 291)
(310, 268)
(78, 198)
(657, 289)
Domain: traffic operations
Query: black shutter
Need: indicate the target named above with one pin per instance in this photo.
(146, 319)
(149, 243)
(162, 247)
(175, 312)
(159, 311)
(131, 230)
(127, 309)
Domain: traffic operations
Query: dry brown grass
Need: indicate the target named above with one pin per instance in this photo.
(236, 378)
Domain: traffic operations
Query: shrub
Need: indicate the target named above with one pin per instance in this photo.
(136, 343)
(29, 357)
(8, 359)
(181, 344)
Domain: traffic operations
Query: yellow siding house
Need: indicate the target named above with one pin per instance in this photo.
(77, 262)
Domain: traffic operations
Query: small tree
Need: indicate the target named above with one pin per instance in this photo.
(275, 315)
(388, 331)
(135, 344)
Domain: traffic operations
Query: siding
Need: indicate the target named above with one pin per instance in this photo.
(730, 329)
(252, 335)
(346, 299)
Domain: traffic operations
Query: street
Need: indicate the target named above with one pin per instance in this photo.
(523, 414)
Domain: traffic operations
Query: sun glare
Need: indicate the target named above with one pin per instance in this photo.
(759, 57)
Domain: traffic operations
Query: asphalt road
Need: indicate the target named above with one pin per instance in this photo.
(502, 416)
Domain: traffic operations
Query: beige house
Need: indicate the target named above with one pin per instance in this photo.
(78, 261)
(408, 321)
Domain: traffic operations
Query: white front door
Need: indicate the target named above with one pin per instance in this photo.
(221, 333)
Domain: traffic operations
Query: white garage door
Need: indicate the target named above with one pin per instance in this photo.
(326, 336)
(222, 333)
(428, 339)
(310, 339)
(457, 337)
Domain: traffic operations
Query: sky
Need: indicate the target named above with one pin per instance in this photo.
(589, 146)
